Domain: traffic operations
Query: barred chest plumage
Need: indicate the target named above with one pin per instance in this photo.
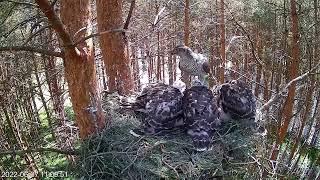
(190, 66)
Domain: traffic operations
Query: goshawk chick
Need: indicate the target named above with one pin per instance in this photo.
(201, 115)
(236, 101)
(161, 106)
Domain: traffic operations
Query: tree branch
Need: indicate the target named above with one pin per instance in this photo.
(35, 33)
(60, 151)
(32, 49)
(157, 18)
(98, 34)
(55, 21)
(22, 3)
(283, 93)
(132, 5)
(256, 57)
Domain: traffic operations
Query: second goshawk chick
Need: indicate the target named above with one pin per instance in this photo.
(201, 115)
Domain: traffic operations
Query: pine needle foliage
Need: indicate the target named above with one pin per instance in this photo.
(116, 154)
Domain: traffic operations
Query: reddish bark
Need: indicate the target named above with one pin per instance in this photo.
(185, 76)
(187, 23)
(304, 118)
(114, 45)
(259, 68)
(293, 73)
(222, 42)
(78, 62)
(158, 58)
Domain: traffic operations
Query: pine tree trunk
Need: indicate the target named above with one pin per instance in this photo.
(174, 67)
(170, 69)
(259, 68)
(53, 77)
(293, 73)
(114, 45)
(79, 64)
(266, 80)
(158, 58)
(222, 42)
(304, 118)
(185, 76)
(187, 23)
(135, 67)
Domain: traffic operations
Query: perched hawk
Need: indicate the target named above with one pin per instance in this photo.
(236, 101)
(192, 63)
(201, 115)
(161, 106)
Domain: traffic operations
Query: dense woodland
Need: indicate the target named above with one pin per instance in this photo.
(59, 58)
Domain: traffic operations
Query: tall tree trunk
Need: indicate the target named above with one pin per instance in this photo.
(158, 58)
(186, 76)
(266, 80)
(103, 74)
(114, 45)
(150, 68)
(42, 98)
(304, 118)
(79, 63)
(259, 68)
(162, 68)
(187, 23)
(53, 77)
(174, 67)
(170, 69)
(293, 73)
(222, 42)
(135, 67)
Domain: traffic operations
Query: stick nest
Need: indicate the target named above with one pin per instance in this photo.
(116, 154)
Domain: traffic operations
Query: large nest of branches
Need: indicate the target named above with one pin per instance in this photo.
(116, 154)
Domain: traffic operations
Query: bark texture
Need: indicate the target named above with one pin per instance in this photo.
(113, 46)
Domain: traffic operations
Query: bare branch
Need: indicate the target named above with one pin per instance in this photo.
(256, 57)
(126, 24)
(18, 152)
(34, 34)
(15, 27)
(283, 93)
(22, 3)
(7, 15)
(157, 18)
(32, 49)
(98, 34)
(55, 21)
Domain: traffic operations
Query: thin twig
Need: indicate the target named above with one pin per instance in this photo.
(132, 5)
(22, 3)
(60, 151)
(99, 34)
(283, 93)
(32, 49)
(170, 167)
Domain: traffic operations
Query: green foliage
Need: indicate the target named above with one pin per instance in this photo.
(263, 14)
(313, 153)
(69, 113)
